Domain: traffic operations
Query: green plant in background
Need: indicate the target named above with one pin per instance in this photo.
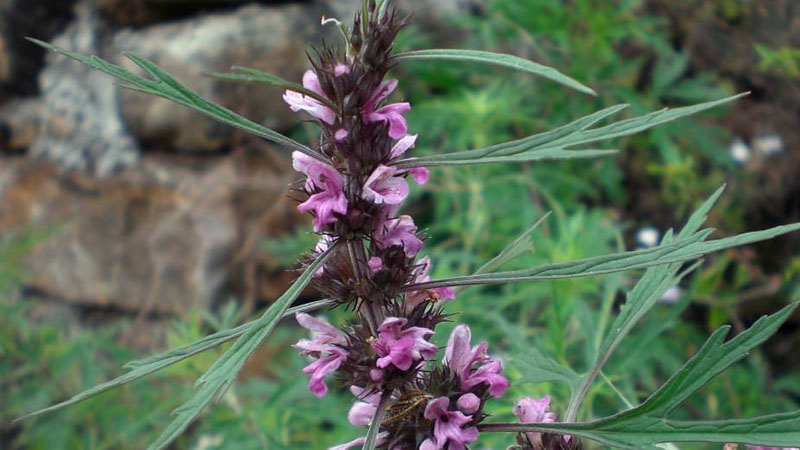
(579, 331)
(784, 61)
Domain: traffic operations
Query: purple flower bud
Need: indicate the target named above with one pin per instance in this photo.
(468, 403)
(298, 101)
(340, 135)
(400, 347)
(341, 69)
(529, 410)
(375, 264)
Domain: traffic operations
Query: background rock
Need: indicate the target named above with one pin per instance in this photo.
(20, 60)
(272, 39)
(81, 127)
(160, 238)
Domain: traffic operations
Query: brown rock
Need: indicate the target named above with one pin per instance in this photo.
(160, 238)
(272, 39)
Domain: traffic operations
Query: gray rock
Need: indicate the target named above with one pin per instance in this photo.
(81, 126)
(272, 39)
(163, 236)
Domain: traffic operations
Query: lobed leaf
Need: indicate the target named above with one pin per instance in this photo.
(143, 367)
(647, 425)
(555, 144)
(164, 85)
(222, 374)
(678, 251)
(498, 59)
(655, 282)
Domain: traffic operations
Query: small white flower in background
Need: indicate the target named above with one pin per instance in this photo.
(672, 296)
(739, 151)
(768, 144)
(647, 237)
(208, 441)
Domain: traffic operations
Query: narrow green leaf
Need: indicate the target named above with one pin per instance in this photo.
(222, 374)
(163, 85)
(648, 424)
(498, 59)
(528, 156)
(556, 143)
(680, 250)
(143, 367)
(516, 146)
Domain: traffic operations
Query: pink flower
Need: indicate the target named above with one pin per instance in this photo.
(414, 298)
(298, 101)
(392, 114)
(461, 358)
(448, 427)
(403, 145)
(326, 346)
(529, 410)
(383, 187)
(329, 182)
(399, 231)
(380, 439)
(402, 347)
(420, 174)
(362, 412)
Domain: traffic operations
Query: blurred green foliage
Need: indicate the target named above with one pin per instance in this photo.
(470, 214)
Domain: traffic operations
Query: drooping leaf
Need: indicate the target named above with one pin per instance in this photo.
(143, 367)
(164, 85)
(556, 144)
(498, 59)
(648, 424)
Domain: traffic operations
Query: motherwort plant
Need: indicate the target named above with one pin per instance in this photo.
(407, 393)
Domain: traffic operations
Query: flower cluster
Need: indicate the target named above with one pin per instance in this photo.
(354, 185)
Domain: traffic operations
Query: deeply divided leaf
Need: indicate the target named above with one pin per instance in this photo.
(164, 85)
